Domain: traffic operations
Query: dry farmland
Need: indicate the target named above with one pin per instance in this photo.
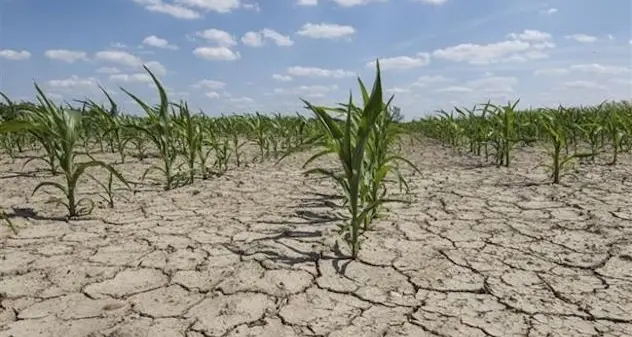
(499, 222)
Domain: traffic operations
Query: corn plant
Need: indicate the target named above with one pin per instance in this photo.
(348, 141)
(190, 134)
(107, 188)
(61, 129)
(504, 121)
(614, 128)
(222, 155)
(592, 130)
(554, 124)
(260, 128)
(111, 123)
(160, 130)
(138, 140)
(382, 159)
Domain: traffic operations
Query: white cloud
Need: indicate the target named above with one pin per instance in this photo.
(219, 6)
(494, 84)
(157, 42)
(519, 48)
(212, 94)
(118, 45)
(318, 72)
(282, 78)
(536, 55)
(14, 55)
(175, 10)
(119, 56)
(307, 90)
(257, 39)
(73, 82)
(622, 81)
(351, 3)
(108, 70)
(551, 71)
(307, 2)
(209, 84)
(432, 2)
(582, 38)
(549, 11)
(220, 37)
(276, 37)
(216, 53)
(252, 39)
(583, 85)
(243, 99)
(599, 69)
(530, 35)
(325, 30)
(397, 90)
(136, 77)
(402, 62)
(491, 85)
(427, 80)
(253, 7)
(481, 54)
(454, 89)
(65, 55)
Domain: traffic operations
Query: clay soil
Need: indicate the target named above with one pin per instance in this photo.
(478, 251)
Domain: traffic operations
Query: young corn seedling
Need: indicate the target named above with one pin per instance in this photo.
(62, 131)
(382, 159)
(591, 130)
(191, 136)
(259, 127)
(137, 139)
(111, 122)
(160, 130)
(552, 121)
(222, 156)
(613, 125)
(107, 188)
(348, 141)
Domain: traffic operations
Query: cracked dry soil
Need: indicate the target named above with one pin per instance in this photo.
(480, 251)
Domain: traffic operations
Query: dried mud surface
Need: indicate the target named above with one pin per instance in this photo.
(480, 251)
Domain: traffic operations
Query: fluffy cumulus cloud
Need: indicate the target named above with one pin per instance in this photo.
(220, 53)
(529, 44)
(402, 62)
(209, 84)
(65, 55)
(157, 42)
(226, 56)
(73, 81)
(118, 57)
(583, 38)
(14, 55)
(315, 72)
(218, 36)
(326, 30)
(193, 9)
(257, 39)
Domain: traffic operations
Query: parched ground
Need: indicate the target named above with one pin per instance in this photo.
(480, 251)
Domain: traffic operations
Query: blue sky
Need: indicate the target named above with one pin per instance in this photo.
(226, 56)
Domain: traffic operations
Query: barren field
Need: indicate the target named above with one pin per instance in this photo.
(480, 251)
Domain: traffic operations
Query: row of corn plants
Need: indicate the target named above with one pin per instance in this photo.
(187, 145)
(568, 134)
